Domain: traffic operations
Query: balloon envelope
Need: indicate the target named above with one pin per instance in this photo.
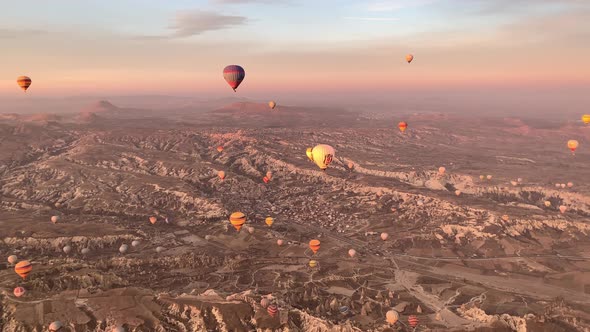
(409, 58)
(402, 126)
(322, 155)
(54, 219)
(269, 221)
(272, 105)
(314, 245)
(572, 144)
(12, 259)
(384, 236)
(237, 219)
(19, 291)
(24, 82)
(392, 317)
(55, 326)
(234, 75)
(221, 174)
(586, 118)
(351, 252)
(23, 268)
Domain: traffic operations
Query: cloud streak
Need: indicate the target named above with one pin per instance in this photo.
(371, 18)
(393, 5)
(196, 22)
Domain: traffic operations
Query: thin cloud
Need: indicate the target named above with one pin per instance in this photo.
(196, 22)
(392, 5)
(371, 18)
(19, 33)
(234, 2)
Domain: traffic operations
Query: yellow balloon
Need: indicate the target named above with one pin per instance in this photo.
(409, 58)
(586, 118)
(272, 105)
(572, 144)
(323, 155)
(308, 153)
(269, 221)
(313, 263)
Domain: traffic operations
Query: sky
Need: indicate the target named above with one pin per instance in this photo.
(292, 47)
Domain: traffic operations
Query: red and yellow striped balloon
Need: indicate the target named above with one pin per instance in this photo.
(24, 82)
(314, 245)
(237, 219)
(23, 268)
(413, 321)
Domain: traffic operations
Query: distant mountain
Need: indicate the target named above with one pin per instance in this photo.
(101, 106)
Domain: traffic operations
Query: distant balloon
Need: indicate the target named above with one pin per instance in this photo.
(384, 236)
(505, 217)
(392, 317)
(123, 248)
(547, 203)
(562, 208)
(119, 329)
(402, 126)
(221, 175)
(269, 175)
(457, 192)
(441, 170)
(234, 75)
(413, 321)
(409, 58)
(519, 180)
(67, 249)
(272, 105)
(314, 245)
(237, 219)
(309, 154)
(573, 145)
(220, 149)
(351, 252)
(135, 243)
(280, 242)
(160, 249)
(208, 237)
(570, 184)
(481, 177)
(54, 219)
(85, 251)
(12, 259)
(586, 118)
(19, 291)
(323, 155)
(514, 183)
(489, 177)
(557, 185)
(24, 82)
(265, 179)
(55, 326)
(269, 221)
(272, 310)
(153, 220)
(350, 165)
(23, 268)
(313, 263)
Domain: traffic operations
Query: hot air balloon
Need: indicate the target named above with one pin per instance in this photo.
(323, 155)
(402, 126)
(562, 185)
(489, 177)
(314, 245)
(67, 249)
(557, 185)
(135, 243)
(351, 252)
(55, 326)
(413, 321)
(573, 145)
(264, 302)
(392, 317)
(221, 175)
(54, 219)
(272, 310)
(280, 242)
(441, 170)
(457, 192)
(265, 179)
(208, 237)
(237, 219)
(313, 263)
(505, 217)
(119, 329)
(562, 208)
(409, 58)
(12, 259)
(272, 105)
(153, 220)
(547, 203)
(570, 184)
(220, 149)
(309, 154)
(234, 75)
(269, 175)
(85, 251)
(269, 221)
(350, 165)
(123, 248)
(586, 118)
(23, 268)
(519, 180)
(481, 177)
(384, 236)
(24, 82)
(19, 291)
(160, 249)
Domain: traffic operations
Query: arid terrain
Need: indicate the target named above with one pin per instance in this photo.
(463, 253)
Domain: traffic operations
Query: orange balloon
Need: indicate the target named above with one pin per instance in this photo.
(573, 145)
(314, 245)
(153, 220)
(237, 219)
(220, 149)
(409, 58)
(403, 126)
(269, 221)
(23, 268)
(221, 174)
(24, 82)
(350, 164)
(265, 179)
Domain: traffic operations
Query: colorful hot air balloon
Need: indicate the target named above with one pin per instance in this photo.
(280, 242)
(547, 203)
(562, 185)
(573, 145)
(309, 154)
(153, 220)
(313, 263)
(85, 251)
(457, 192)
(562, 208)
(351, 252)
(269, 221)
(67, 249)
(265, 179)
(19, 291)
(384, 236)
(272, 105)
(234, 75)
(413, 321)
(489, 177)
(570, 184)
(12, 259)
(586, 118)
(323, 155)
(441, 170)
(350, 165)
(392, 317)
(221, 175)
(55, 326)
(160, 249)
(314, 245)
(54, 219)
(269, 175)
(123, 248)
(24, 82)
(402, 126)
(409, 58)
(220, 149)
(481, 177)
(272, 310)
(237, 219)
(23, 268)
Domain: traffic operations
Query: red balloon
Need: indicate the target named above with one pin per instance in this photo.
(234, 75)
